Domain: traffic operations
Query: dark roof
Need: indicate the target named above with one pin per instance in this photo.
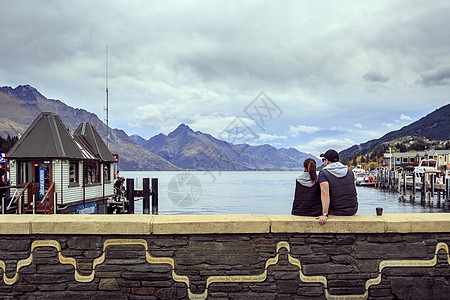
(96, 142)
(46, 137)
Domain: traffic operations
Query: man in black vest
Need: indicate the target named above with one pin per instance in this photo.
(337, 186)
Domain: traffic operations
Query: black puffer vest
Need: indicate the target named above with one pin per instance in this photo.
(343, 198)
(307, 200)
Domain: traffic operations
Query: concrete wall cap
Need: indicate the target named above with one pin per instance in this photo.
(217, 224)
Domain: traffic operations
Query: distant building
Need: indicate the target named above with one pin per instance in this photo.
(401, 160)
(79, 164)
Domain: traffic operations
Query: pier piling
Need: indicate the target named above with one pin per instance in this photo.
(146, 194)
(130, 195)
(154, 196)
(432, 180)
(447, 191)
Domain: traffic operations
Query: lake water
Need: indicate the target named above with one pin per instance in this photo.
(256, 193)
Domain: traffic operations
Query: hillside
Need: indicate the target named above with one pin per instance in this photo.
(196, 150)
(21, 105)
(434, 126)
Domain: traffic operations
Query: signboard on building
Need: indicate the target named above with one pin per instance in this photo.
(87, 209)
(41, 183)
(2, 158)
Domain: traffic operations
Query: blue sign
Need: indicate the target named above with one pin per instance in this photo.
(87, 209)
(2, 158)
(41, 183)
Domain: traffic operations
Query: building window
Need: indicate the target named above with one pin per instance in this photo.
(92, 172)
(23, 172)
(107, 172)
(73, 172)
(405, 159)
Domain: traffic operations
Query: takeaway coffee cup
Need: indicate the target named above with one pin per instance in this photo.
(379, 211)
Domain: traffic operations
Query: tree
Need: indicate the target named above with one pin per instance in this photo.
(6, 144)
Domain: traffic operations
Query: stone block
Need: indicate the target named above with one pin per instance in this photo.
(169, 294)
(147, 291)
(124, 283)
(159, 283)
(85, 242)
(287, 287)
(15, 224)
(52, 287)
(24, 288)
(210, 224)
(92, 224)
(252, 295)
(416, 223)
(83, 286)
(310, 290)
(385, 238)
(341, 259)
(225, 287)
(263, 288)
(314, 259)
(390, 250)
(47, 278)
(335, 224)
(108, 284)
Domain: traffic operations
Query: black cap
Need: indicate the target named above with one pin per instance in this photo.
(331, 155)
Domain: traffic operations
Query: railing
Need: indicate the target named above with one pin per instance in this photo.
(46, 205)
(28, 187)
(50, 196)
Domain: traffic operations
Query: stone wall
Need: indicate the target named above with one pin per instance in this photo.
(224, 257)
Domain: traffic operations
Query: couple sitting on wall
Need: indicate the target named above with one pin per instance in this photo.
(332, 192)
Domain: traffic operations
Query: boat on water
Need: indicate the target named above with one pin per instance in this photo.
(359, 170)
(362, 177)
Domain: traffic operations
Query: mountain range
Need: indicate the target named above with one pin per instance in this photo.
(196, 150)
(181, 149)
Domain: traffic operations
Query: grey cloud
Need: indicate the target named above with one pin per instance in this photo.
(438, 76)
(375, 77)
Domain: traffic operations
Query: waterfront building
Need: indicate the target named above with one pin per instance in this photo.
(77, 166)
(403, 159)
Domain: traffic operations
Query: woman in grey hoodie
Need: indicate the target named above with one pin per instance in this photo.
(307, 192)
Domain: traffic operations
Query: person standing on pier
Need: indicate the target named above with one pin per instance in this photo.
(337, 186)
(2, 183)
(307, 191)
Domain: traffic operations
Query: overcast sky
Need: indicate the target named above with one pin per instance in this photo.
(333, 73)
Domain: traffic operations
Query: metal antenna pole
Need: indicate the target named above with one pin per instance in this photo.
(106, 109)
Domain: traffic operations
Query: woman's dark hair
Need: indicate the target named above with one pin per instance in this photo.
(310, 166)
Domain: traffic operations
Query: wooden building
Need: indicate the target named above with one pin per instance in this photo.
(75, 168)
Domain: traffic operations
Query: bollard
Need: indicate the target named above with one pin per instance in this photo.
(3, 205)
(146, 192)
(414, 183)
(130, 195)
(154, 196)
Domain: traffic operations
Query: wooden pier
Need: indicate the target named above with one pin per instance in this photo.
(125, 203)
(424, 186)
